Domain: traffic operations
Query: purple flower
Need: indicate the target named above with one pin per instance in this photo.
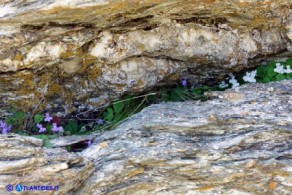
(5, 128)
(184, 82)
(48, 118)
(57, 129)
(88, 142)
(2, 124)
(99, 121)
(41, 128)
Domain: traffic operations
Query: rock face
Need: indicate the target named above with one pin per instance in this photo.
(81, 54)
(239, 143)
(24, 161)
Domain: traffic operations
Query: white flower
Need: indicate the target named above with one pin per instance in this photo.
(223, 85)
(250, 77)
(279, 68)
(234, 82)
(288, 70)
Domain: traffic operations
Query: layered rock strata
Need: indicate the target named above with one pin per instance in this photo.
(71, 55)
(24, 161)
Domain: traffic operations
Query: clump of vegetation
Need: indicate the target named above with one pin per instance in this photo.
(271, 71)
(274, 71)
(47, 126)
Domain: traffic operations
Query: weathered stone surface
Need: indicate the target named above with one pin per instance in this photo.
(24, 161)
(239, 143)
(82, 54)
(73, 139)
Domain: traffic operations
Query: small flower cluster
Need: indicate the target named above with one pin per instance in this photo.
(48, 118)
(41, 128)
(5, 128)
(184, 82)
(55, 127)
(250, 77)
(223, 85)
(234, 82)
(99, 121)
(280, 69)
(264, 73)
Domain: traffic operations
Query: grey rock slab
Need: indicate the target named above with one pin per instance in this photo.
(70, 140)
(238, 142)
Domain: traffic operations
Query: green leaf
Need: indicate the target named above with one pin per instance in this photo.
(271, 63)
(261, 71)
(17, 119)
(289, 76)
(120, 117)
(43, 137)
(109, 115)
(197, 91)
(289, 62)
(38, 118)
(176, 94)
(19, 115)
(48, 144)
(271, 72)
(49, 127)
(118, 107)
(266, 80)
(52, 136)
(280, 77)
(72, 127)
(46, 139)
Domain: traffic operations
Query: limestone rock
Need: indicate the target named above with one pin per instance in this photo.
(83, 54)
(24, 161)
(226, 145)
